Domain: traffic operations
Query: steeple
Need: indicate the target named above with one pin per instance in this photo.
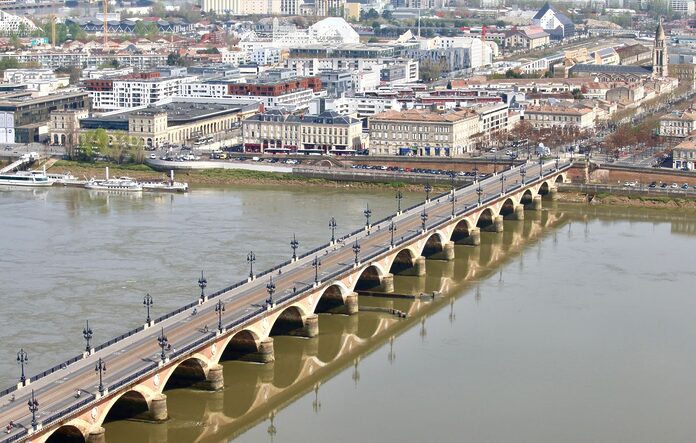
(660, 59)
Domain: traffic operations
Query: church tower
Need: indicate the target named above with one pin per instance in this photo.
(660, 60)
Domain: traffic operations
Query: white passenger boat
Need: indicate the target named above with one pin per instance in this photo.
(25, 178)
(121, 184)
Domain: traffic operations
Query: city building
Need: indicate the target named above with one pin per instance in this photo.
(683, 7)
(684, 155)
(634, 54)
(559, 117)
(15, 25)
(678, 124)
(242, 7)
(555, 23)
(528, 37)
(177, 122)
(660, 59)
(282, 132)
(423, 133)
(64, 127)
(135, 90)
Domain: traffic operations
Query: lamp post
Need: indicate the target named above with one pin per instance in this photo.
(356, 250)
(100, 368)
(523, 172)
(251, 258)
(479, 191)
(428, 189)
(558, 159)
(147, 302)
(219, 309)
(399, 196)
(270, 288)
(541, 166)
(202, 283)
(317, 264)
(87, 334)
(424, 218)
(502, 183)
(392, 229)
(476, 170)
(453, 199)
(332, 226)
(163, 342)
(33, 408)
(22, 359)
(294, 244)
(368, 213)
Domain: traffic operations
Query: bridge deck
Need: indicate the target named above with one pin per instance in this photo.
(136, 353)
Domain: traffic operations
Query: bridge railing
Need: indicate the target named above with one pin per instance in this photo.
(119, 338)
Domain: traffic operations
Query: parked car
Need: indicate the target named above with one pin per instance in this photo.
(685, 186)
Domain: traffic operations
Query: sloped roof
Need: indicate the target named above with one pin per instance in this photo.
(559, 15)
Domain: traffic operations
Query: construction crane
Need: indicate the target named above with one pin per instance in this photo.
(53, 31)
(106, 25)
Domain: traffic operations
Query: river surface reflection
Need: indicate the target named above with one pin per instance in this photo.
(573, 325)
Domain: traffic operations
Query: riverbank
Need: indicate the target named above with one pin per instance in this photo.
(220, 177)
(636, 201)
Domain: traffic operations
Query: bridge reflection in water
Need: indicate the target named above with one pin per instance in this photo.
(256, 392)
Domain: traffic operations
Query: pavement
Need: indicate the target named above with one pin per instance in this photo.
(56, 392)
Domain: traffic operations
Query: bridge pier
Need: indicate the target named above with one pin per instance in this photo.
(553, 193)
(446, 254)
(517, 213)
(264, 354)
(351, 304)
(535, 205)
(386, 284)
(214, 381)
(474, 238)
(158, 409)
(311, 326)
(96, 436)
(496, 226)
(418, 268)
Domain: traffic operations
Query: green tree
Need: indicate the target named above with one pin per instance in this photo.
(387, 15)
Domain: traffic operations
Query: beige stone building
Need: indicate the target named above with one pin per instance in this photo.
(282, 132)
(559, 117)
(64, 127)
(423, 132)
(678, 124)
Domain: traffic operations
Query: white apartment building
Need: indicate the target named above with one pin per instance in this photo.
(290, 7)
(306, 67)
(684, 7)
(265, 56)
(242, 7)
(133, 93)
(493, 118)
(359, 106)
(678, 124)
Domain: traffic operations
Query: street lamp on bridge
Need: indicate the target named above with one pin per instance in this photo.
(87, 334)
(270, 288)
(251, 258)
(453, 199)
(163, 342)
(368, 214)
(558, 159)
(147, 302)
(202, 283)
(219, 309)
(479, 191)
(424, 218)
(356, 251)
(399, 196)
(294, 244)
(332, 226)
(523, 172)
(317, 264)
(33, 404)
(100, 368)
(541, 166)
(502, 182)
(428, 189)
(392, 229)
(22, 360)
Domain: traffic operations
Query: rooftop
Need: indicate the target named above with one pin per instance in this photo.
(425, 116)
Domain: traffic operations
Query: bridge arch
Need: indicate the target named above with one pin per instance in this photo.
(527, 198)
(544, 189)
(334, 296)
(403, 260)
(72, 432)
(290, 320)
(186, 373)
(461, 231)
(559, 179)
(508, 207)
(370, 277)
(434, 244)
(130, 404)
(485, 218)
(240, 345)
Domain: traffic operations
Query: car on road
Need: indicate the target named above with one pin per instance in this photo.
(675, 186)
(153, 156)
(652, 185)
(685, 186)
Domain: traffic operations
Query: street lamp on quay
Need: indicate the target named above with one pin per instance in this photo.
(428, 189)
(392, 229)
(270, 288)
(251, 258)
(163, 342)
(317, 264)
(22, 360)
(356, 250)
(424, 218)
(202, 283)
(147, 302)
(476, 171)
(399, 196)
(33, 404)
(87, 334)
(100, 368)
(368, 214)
(219, 309)
(294, 244)
(332, 226)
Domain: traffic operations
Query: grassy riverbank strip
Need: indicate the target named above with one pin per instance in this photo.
(633, 201)
(219, 177)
